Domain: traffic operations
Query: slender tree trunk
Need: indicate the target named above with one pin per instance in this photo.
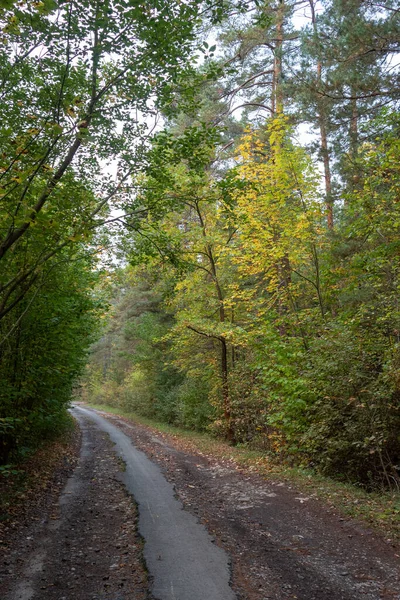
(353, 126)
(16, 357)
(284, 278)
(277, 100)
(323, 135)
(327, 170)
(230, 434)
(233, 349)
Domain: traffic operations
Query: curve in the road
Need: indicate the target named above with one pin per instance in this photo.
(182, 560)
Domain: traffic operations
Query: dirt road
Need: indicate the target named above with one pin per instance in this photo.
(282, 545)
(178, 552)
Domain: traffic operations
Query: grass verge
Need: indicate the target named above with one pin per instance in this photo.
(380, 511)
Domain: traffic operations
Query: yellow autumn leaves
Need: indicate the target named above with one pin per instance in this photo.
(277, 211)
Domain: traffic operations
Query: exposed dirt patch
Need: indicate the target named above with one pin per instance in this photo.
(284, 544)
(25, 497)
(85, 545)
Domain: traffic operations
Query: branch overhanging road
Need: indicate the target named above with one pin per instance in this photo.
(182, 560)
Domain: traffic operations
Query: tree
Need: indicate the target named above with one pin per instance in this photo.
(344, 78)
(81, 86)
(43, 351)
(278, 215)
(258, 47)
(78, 82)
(189, 233)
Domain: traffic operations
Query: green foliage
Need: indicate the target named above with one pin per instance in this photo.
(354, 368)
(242, 310)
(132, 366)
(42, 352)
(193, 407)
(135, 394)
(355, 416)
(282, 335)
(80, 84)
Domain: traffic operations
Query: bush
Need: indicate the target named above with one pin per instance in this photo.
(137, 394)
(354, 422)
(193, 406)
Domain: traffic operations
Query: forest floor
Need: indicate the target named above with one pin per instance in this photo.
(284, 543)
(78, 542)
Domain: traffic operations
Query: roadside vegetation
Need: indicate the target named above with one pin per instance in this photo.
(34, 482)
(162, 204)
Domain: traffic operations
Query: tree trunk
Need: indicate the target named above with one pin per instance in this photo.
(277, 100)
(353, 126)
(230, 434)
(323, 135)
(226, 400)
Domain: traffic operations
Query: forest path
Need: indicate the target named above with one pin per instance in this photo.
(282, 544)
(182, 561)
(82, 544)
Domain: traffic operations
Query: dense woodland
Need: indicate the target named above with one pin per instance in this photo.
(205, 196)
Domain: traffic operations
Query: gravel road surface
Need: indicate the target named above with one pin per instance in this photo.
(182, 560)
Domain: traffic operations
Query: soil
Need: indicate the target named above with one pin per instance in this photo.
(283, 544)
(27, 496)
(85, 545)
